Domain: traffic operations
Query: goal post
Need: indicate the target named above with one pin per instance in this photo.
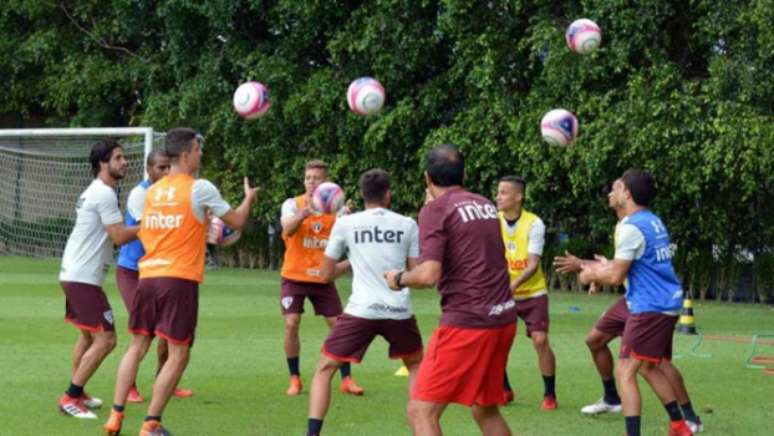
(42, 172)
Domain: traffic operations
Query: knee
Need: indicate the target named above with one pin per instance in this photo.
(413, 413)
(106, 342)
(291, 324)
(328, 366)
(594, 342)
(483, 413)
(540, 341)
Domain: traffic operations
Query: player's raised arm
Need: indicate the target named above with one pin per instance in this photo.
(236, 219)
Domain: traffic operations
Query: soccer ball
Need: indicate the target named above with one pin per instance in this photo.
(251, 100)
(220, 234)
(559, 127)
(328, 197)
(583, 36)
(365, 96)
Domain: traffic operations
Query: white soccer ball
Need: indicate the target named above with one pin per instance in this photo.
(251, 100)
(559, 127)
(366, 96)
(583, 36)
(328, 197)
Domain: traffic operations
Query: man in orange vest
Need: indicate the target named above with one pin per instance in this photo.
(306, 233)
(173, 233)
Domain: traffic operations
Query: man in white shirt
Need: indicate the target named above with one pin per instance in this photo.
(85, 262)
(378, 240)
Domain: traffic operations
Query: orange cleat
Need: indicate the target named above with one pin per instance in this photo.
(296, 386)
(679, 428)
(153, 428)
(183, 393)
(113, 425)
(74, 407)
(348, 386)
(134, 396)
(549, 403)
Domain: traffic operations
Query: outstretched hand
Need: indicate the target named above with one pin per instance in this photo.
(250, 192)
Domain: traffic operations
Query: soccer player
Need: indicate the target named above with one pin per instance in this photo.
(306, 233)
(127, 275)
(461, 249)
(524, 237)
(173, 232)
(85, 262)
(643, 263)
(378, 240)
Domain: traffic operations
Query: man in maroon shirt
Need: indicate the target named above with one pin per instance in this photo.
(460, 250)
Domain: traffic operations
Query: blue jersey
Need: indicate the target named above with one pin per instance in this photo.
(652, 283)
(131, 252)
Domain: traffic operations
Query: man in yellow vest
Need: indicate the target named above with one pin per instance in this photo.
(524, 236)
(305, 233)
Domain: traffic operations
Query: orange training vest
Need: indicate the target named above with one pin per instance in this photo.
(174, 239)
(304, 250)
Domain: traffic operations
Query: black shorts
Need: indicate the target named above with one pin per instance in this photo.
(350, 337)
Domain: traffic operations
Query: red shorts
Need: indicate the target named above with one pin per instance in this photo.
(614, 319)
(127, 279)
(166, 307)
(87, 307)
(324, 297)
(534, 312)
(351, 335)
(464, 366)
(648, 336)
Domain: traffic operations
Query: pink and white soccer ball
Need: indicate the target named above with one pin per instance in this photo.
(220, 234)
(559, 127)
(583, 36)
(251, 100)
(366, 96)
(328, 197)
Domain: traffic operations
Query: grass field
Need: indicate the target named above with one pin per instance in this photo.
(238, 370)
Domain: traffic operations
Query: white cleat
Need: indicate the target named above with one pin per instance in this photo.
(600, 407)
(74, 407)
(695, 426)
(91, 402)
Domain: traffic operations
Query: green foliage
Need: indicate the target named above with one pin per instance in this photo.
(683, 88)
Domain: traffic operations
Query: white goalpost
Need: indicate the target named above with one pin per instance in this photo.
(42, 172)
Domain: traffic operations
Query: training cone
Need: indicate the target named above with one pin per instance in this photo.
(687, 324)
(402, 372)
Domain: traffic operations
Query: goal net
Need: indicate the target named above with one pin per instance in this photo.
(42, 172)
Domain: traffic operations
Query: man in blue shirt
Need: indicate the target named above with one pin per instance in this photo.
(654, 296)
(157, 166)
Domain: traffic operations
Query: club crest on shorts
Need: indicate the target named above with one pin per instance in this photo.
(286, 302)
(108, 315)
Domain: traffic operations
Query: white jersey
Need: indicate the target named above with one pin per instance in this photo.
(378, 240)
(89, 249)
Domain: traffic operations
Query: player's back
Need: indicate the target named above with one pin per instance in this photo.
(378, 240)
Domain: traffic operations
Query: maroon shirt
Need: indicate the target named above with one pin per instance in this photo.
(462, 231)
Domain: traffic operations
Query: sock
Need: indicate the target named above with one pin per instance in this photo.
(549, 382)
(507, 383)
(314, 427)
(118, 408)
(611, 393)
(632, 426)
(293, 365)
(74, 391)
(688, 412)
(674, 411)
(153, 418)
(346, 370)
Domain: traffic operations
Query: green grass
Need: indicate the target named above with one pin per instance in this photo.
(238, 370)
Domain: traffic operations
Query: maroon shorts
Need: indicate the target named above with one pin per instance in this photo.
(648, 336)
(614, 319)
(87, 307)
(324, 297)
(166, 307)
(464, 366)
(350, 337)
(534, 312)
(127, 279)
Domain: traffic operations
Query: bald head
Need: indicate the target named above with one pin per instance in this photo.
(157, 165)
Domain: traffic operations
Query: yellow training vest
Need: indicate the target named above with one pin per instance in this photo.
(516, 254)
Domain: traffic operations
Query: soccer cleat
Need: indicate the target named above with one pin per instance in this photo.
(601, 406)
(134, 396)
(549, 403)
(348, 386)
(91, 402)
(679, 428)
(153, 428)
(695, 426)
(113, 425)
(183, 393)
(74, 407)
(295, 385)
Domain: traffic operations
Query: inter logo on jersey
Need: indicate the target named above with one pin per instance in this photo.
(470, 210)
(375, 234)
